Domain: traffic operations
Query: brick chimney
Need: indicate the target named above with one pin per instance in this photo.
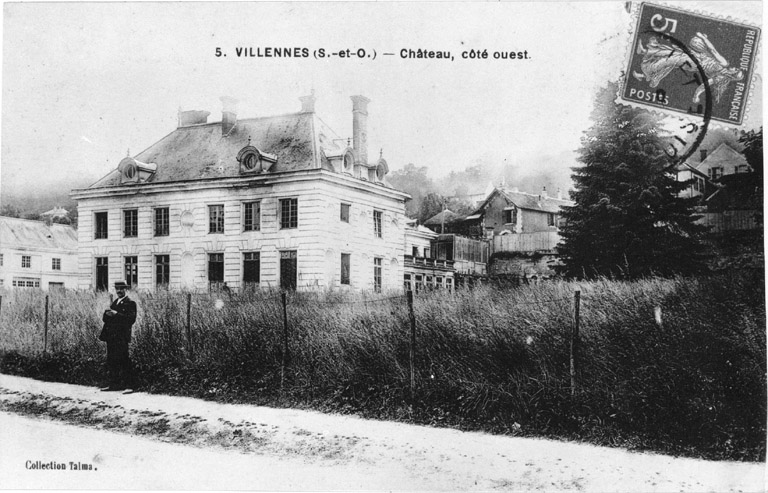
(703, 154)
(308, 103)
(543, 192)
(228, 114)
(360, 127)
(559, 194)
(193, 117)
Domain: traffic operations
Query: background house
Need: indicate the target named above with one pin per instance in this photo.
(275, 201)
(509, 211)
(422, 269)
(34, 254)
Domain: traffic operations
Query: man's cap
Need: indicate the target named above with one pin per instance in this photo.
(121, 284)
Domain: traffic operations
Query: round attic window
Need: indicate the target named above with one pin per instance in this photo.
(130, 171)
(251, 161)
(348, 161)
(380, 172)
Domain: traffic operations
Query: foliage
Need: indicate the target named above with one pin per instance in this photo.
(753, 151)
(628, 220)
(490, 359)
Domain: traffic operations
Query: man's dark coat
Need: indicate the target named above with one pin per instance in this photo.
(117, 331)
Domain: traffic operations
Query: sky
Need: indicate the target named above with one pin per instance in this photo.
(85, 84)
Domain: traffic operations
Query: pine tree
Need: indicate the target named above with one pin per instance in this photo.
(627, 220)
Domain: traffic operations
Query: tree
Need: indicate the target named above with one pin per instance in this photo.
(628, 220)
(753, 151)
(415, 182)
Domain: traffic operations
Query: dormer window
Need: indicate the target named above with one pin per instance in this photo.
(349, 162)
(133, 171)
(253, 160)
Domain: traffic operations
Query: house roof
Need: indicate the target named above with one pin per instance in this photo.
(202, 151)
(28, 234)
(528, 201)
(447, 214)
(724, 154)
(56, 212)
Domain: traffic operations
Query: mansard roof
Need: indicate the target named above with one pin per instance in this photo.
(205, 151)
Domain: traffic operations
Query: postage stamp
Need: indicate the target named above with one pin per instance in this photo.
(683, 62)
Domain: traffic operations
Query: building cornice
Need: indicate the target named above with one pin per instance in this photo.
(239, 182)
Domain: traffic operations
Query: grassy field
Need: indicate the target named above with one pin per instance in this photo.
(489, 359)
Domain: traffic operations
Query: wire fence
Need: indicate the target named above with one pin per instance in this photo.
(280, 304)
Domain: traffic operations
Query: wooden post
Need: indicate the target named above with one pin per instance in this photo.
(45, 326)
(412, 319)
(284, 361)
(189, 324)
(575, 339)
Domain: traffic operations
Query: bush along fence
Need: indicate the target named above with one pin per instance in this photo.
(674, 365)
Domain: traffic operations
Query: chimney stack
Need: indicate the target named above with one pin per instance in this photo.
(193, 117)
(559, 194)
(360, 127)
(228, 114)
(703, 154)
(544, 192)
(308, 103)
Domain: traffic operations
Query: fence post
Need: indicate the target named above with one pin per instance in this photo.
(285, 340)
(189, 324)
(45, 326)
(575, 339)
(412, 319)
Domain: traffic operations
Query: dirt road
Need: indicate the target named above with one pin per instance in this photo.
(209, 445)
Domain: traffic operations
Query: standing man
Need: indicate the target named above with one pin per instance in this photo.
(118, 321)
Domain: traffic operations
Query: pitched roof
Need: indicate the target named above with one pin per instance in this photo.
(724, 154)
(25, 233)
(204, 151)
(56, 212)
(528, 201)
(449, 216)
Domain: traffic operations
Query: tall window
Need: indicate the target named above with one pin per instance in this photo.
(162, 221)
(345, 268)
(251, 268)
(550, 219)
(100, 229)
(377, 224)
(377, 274)
(215, 269)
(289, 213)
(216, 218)
(26, 261)
(162, 270)
(102, 273)
(415, 251)
(131, 223)
(1, 259)
(132, 271)
(56, 264)
(344, 214)
(288, 269)
(252, 216)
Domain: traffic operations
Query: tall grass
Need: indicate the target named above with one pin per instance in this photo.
(493, 359)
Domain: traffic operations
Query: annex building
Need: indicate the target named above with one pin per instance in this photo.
(269, 202)
(35, 254)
